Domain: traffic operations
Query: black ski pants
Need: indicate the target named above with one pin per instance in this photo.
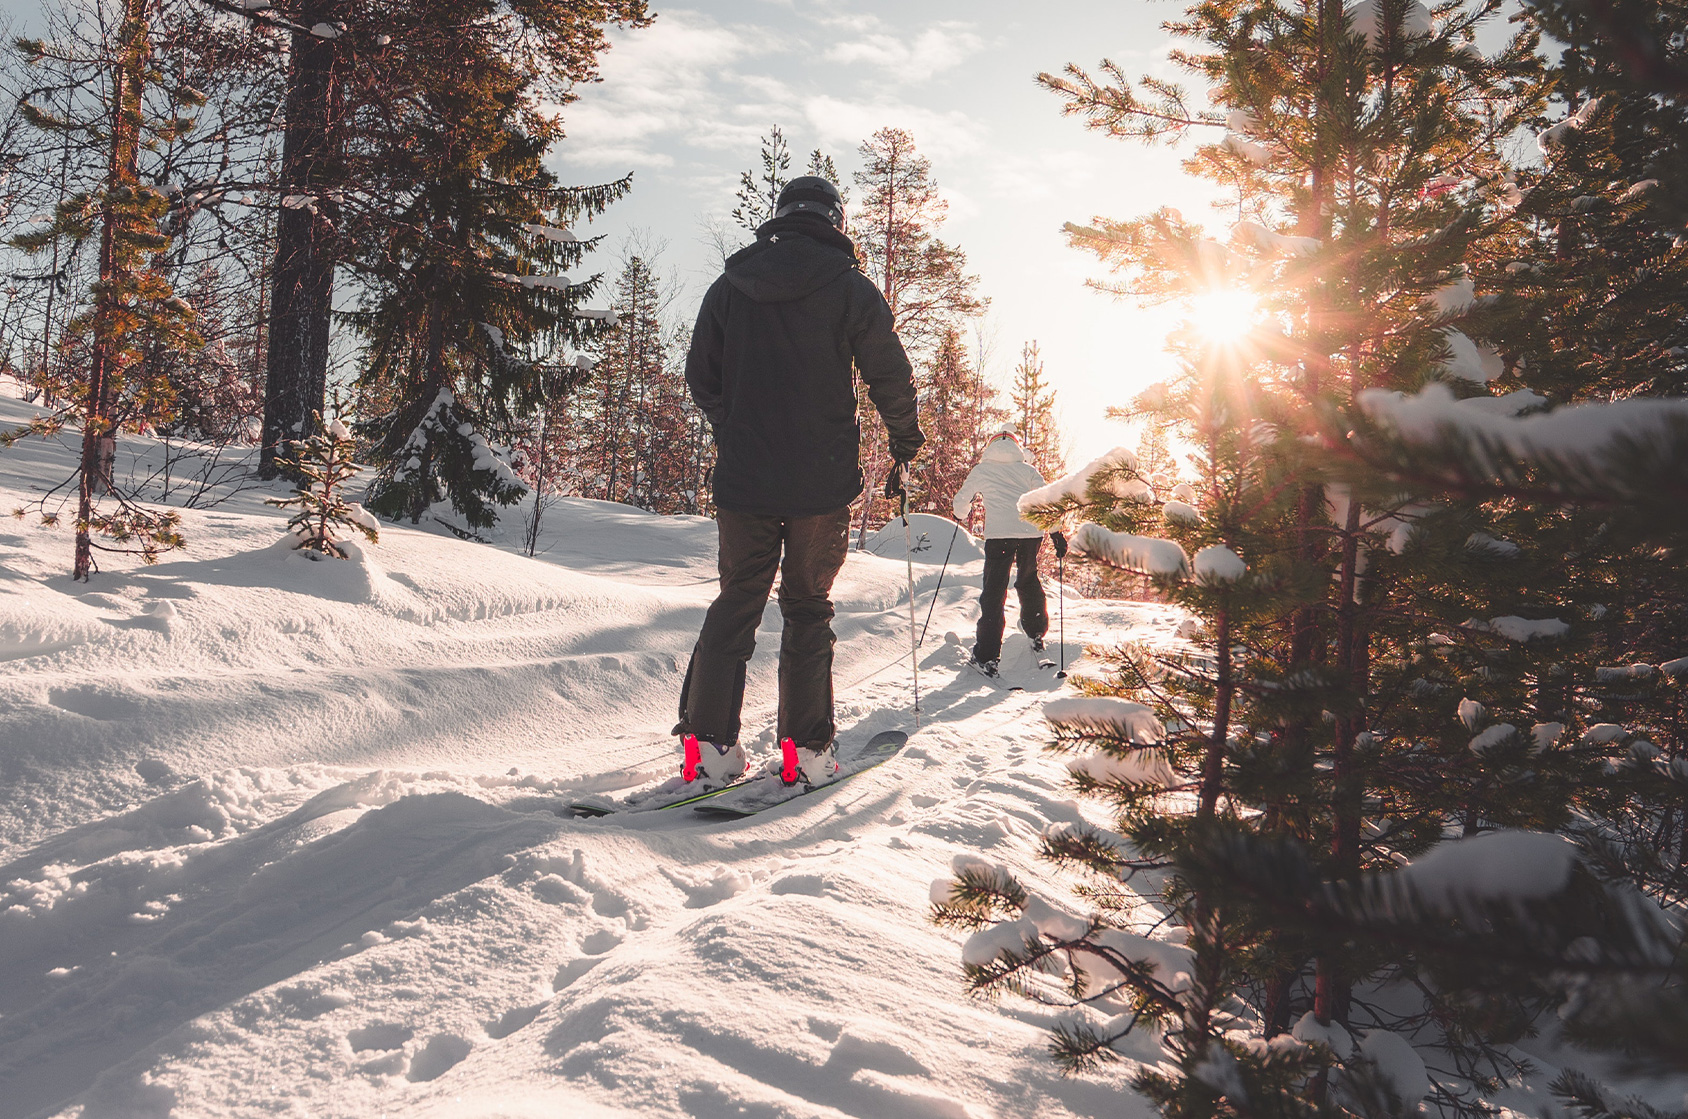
(1000, 555)
(751, 549)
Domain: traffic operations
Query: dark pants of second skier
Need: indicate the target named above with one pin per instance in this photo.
(750, 554)
(1000, 555)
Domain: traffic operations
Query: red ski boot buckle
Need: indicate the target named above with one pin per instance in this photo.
(788, 761)
(694, 756)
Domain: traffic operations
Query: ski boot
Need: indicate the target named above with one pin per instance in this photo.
(984, 668)
(808, 767)
(709, 765)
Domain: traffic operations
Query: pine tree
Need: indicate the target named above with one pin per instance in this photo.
(620, 432)
(469, 311)
(1033, 414)
(958, 414)
(758, 195)
(353, 63)
(324, 464)
(1378, 669)
(133, 308)
(923, 279)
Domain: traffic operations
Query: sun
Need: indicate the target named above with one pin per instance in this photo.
(1223, 315)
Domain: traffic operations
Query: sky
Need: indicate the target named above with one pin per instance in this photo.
(683, 105)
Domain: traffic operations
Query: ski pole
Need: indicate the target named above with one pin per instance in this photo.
(928, 623)
(1061, 589)
(908, 555)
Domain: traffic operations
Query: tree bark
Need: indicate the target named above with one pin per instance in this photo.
(98, 415)
(302, 284)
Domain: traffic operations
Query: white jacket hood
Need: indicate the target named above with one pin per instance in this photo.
(1003, 474)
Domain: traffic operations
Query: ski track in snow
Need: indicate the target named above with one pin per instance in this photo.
(282, 837)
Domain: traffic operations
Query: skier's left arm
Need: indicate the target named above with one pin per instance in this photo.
(885, 368)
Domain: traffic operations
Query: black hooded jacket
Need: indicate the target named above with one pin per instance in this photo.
(770, 365)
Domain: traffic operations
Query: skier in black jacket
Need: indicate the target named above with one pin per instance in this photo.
(770, 366)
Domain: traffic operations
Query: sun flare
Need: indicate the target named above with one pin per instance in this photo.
(1223, 315)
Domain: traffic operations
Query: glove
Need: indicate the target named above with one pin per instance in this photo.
(1060, 541)
(894, 480)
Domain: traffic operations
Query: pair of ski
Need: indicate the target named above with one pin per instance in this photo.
(757, 793)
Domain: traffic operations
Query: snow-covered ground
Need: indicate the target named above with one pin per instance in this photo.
(283, 837)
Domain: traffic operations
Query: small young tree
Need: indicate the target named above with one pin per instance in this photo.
(323, 463)
(758, 194)
(1033, 414)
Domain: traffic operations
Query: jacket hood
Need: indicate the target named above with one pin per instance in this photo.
(793, 257)
(1002, 450)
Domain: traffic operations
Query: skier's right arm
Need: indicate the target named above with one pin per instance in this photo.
(885, 368)
(703, 359)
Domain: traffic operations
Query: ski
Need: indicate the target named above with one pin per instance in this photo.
(652, 799)
(764, 792)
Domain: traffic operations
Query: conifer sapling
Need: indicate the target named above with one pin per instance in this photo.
(323, 463)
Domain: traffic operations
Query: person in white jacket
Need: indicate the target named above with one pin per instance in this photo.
(1003, 474)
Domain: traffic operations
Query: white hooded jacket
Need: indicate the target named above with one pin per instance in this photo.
(1003, 474)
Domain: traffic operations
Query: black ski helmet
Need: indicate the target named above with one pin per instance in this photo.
(811, 194)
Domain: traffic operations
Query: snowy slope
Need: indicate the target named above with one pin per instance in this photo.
(282, 837)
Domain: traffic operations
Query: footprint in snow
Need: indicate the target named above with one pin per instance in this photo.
(437, 1057)
(724, 883)
(568, 972)
(512, 1020)
(382, 1035)
(812, 885)
(596, 944)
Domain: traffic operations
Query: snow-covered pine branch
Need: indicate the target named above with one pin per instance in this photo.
(1630, 453)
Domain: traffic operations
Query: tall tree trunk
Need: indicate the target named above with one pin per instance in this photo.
(1213, 764)
(423, 495)
(104, 368)
(296, 363)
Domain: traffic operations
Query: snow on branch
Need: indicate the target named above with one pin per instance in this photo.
(1468, 361)
(556, 283)
(1119, 718)
(551, 233)
(1514, 628)
(1100, 481)
(1606, 453)
(1147, 554)
(1253, 233)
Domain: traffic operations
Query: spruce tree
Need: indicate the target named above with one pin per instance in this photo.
(324, 463)
(352, 66)
(624, 413)
(958, 414)
(1377, 670)
(469, 310)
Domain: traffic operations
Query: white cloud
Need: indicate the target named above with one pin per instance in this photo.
(663, 84)
(939, 47)
(842, 124)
